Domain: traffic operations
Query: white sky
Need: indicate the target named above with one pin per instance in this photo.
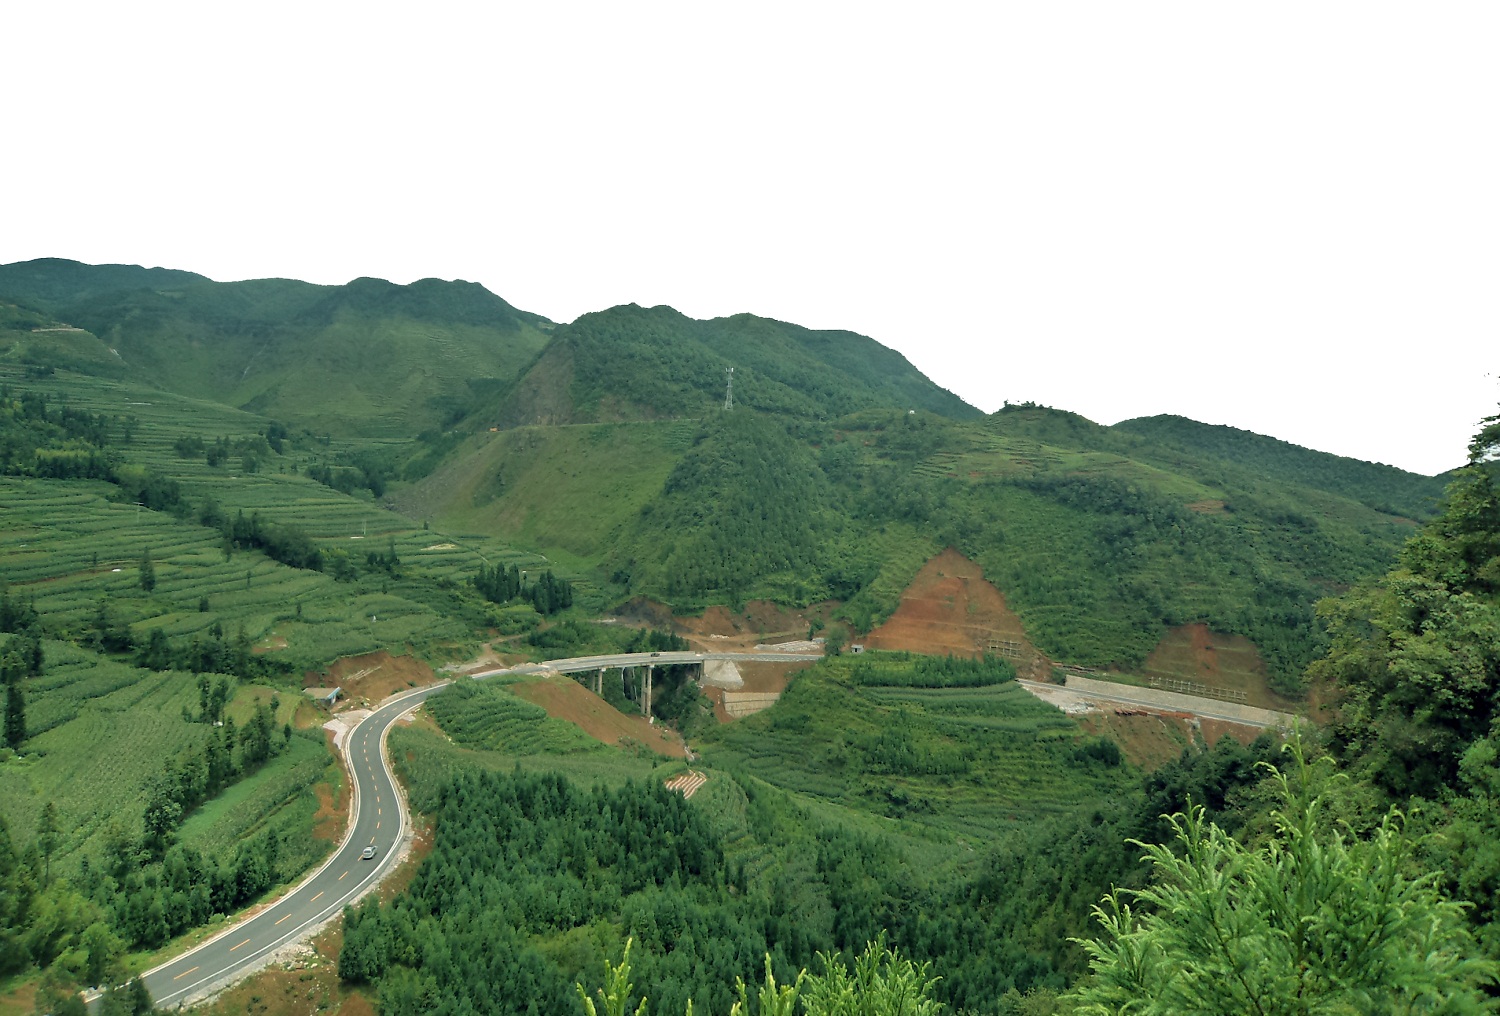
(1279, 216)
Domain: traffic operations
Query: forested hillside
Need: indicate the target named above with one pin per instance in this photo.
(210, 492)
(654, 363)
(1100, 550)
(1384, 488)
(764, 860)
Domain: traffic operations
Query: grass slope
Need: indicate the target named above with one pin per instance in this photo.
(1384, 488)
(517, 481)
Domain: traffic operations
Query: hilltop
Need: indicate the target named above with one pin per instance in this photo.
(368, 358)
(633, 363)
(840, 471)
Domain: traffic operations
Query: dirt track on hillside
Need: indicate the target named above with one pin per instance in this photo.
(371, 677)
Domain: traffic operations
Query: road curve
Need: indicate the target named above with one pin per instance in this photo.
(378, 818)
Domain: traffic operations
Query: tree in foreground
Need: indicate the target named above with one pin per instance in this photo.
(1309, 922)
(881, 983)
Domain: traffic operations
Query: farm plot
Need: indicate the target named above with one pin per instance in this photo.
(971, 761)
(277, 798)
(999, 707)
(71, 550)
(102, 730)
(489, 716)
(278, 489)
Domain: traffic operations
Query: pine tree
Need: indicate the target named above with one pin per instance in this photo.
(148, 572)
(15, 714)
(46, 839)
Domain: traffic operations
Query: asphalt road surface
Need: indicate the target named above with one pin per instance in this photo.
(378, 820)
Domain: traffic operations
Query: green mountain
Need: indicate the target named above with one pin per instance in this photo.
(1101, 539)
(653, 363)
(368, 358)
(1384, 488)
(604, 444)
(176, 555)
(58, 282)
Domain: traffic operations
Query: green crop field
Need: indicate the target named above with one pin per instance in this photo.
(68, 549)
(427, 761)
(278, 797)
(971, 761)
(101, 730)
(486, 715)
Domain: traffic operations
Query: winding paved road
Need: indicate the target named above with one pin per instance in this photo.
(378, 819)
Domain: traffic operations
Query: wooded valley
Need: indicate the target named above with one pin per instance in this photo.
(214, 496)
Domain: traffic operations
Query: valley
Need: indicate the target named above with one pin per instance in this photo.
(849, 662)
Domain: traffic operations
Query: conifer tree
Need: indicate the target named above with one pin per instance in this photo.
(15, 714)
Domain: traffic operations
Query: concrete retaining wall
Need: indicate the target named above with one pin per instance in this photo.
(1178, 703)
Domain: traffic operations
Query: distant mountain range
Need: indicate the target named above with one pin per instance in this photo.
(840, 470)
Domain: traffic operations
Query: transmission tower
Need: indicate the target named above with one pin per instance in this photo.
(729, 389)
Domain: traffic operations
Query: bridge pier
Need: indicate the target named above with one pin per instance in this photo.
(648, 692)
(599, 682)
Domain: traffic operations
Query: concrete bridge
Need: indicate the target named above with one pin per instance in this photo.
(597, 665)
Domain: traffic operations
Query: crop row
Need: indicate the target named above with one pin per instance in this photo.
(240, 811)
(113, 737)
(494, 719)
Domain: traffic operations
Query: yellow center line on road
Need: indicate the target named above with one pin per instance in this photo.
(184, 974)
(284, 918)
(234, 947)
(341, 877)
(372, 841)
(315, 898)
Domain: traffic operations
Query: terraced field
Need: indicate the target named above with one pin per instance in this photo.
(486, 715)
(101, 730)
(70, 551)
(968, 761)
(68, 547)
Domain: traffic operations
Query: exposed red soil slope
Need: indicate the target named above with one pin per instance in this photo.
(1152, 739)
(1213, 730)
(950, 608)
(332, 813)
(1228, 662)
(1149, 740)
(371, 676)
